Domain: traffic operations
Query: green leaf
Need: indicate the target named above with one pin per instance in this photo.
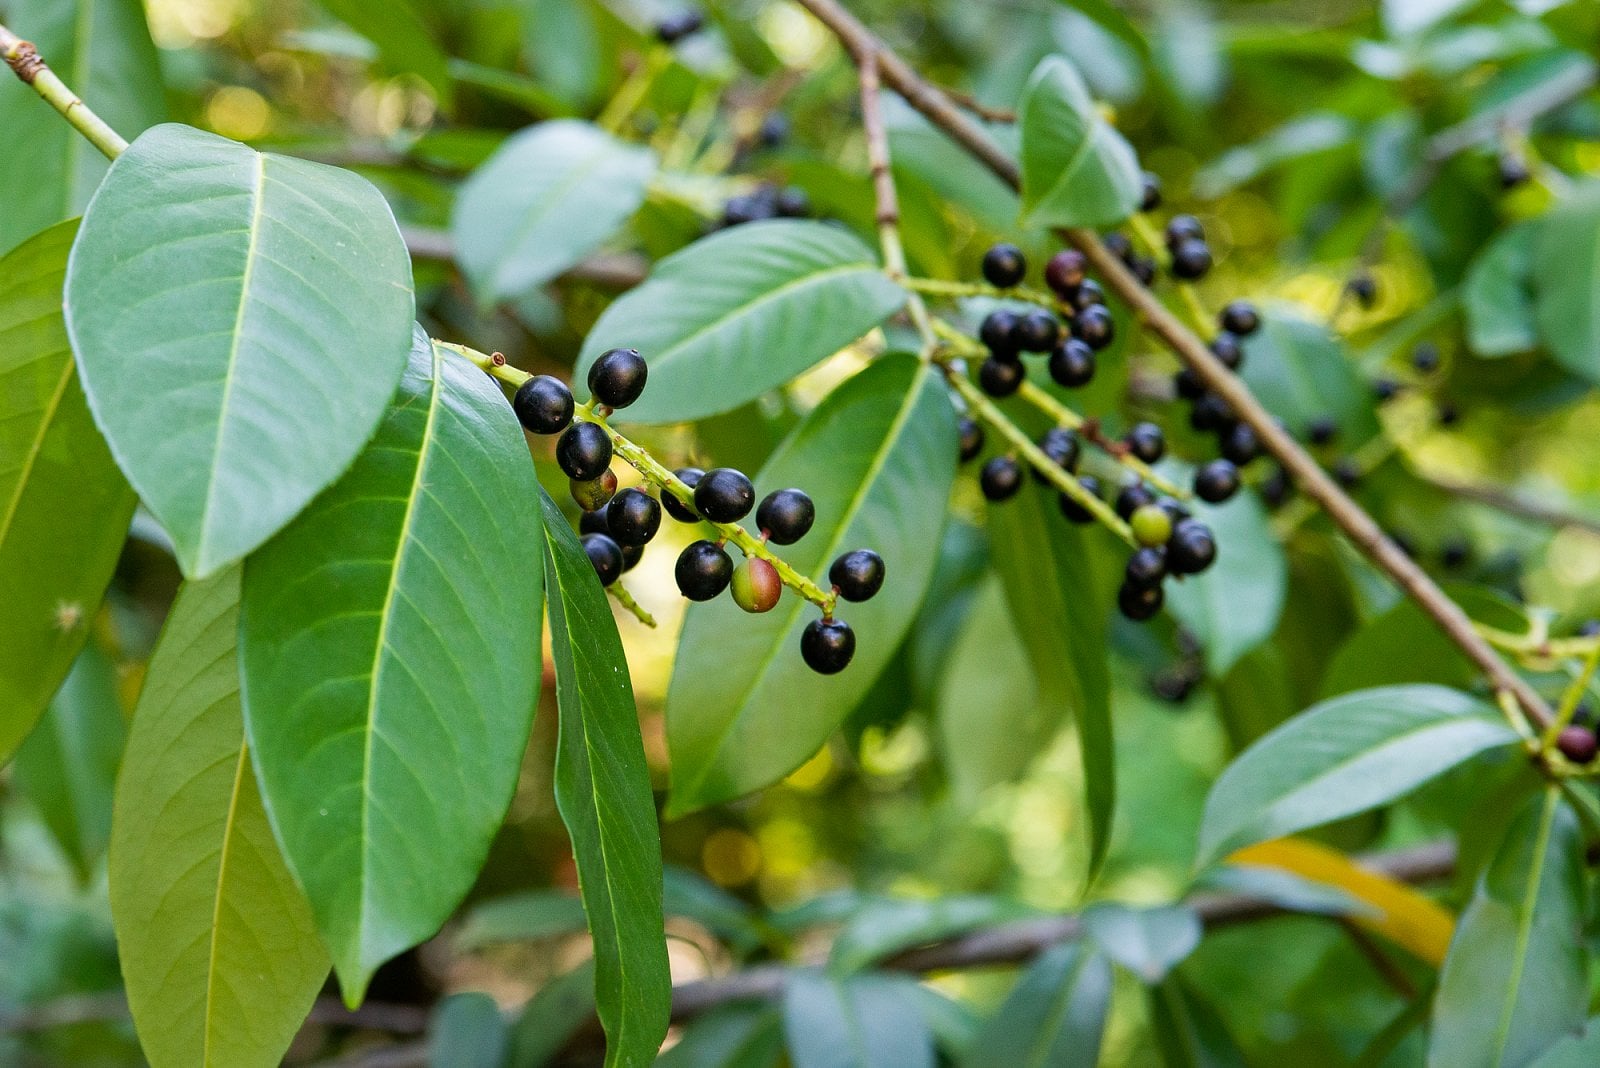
(1404, 644)
(550, 1019)
(742, 312)
(865, 1021)
(1574, 1051)
(1149, 942)
(1076, 169)
(102, 49)
(1566, 263)
(548, 197)
(1301, 372)
(885, 926)
(562, 46)
(402, 36)
(64, 506)
(1517, 975)
(390, 647)
(1055, 1015)
(739, 1036)
(1188, 1030)
(467, 1031)
(525, 917)
(68, 767)
(219, 951)
(1234, 605)
(1048, 573)
(240, 321)
(1344, 756)
(1497, 295)
(1286, 890)
(877, 457)
(603, 792)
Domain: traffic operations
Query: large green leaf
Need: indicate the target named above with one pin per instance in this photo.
(68, 767)
(1050, 582)
(603, 792)
(884, 926)
(1566, 269)
(1149, 942)
(240, 321)
(1234, 605)
(1076, 169)
(401, 35)
(1574, 1051)
(877, 457)
(739, 1036)
(390, 647)
(102, 49)
(1517, 975)
(1497, 297)
(218, 948)
(1301, 372)
(547, 198)
(467, 1031)
(865, 1021)
(741, 312)
(64, 506)
(1188, 1030)
(1055, 1015)
(1405, 644)
(1344, 756)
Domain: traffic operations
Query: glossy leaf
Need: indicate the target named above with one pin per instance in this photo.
(402, 36)
(739, 1036)
(1056, 1014)
(1497, 296)
(877, 457)
(240, 321)
(550, 1019)
(741, 312)
(1517, 977)
(885, 926)
(525, 917)
(1344, 756)
(603, 792)
(467, 1031)
(1301, 372)
(1574, 1051)
(1234, 605)
(64, 506)
(1404, 644)
(390, 647)
(865, 1021)
(1149, 942)
(68, 766)
(548, 197)
(218, 948)
(1076, 169)
(102, 49)
(1566, 261)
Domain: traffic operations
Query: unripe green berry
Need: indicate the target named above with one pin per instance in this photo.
(756, 585)
(595, 493)
(1151, 525)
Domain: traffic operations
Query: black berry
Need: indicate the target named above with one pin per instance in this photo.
(689, 476)
(1184, 228)
(724, 495)
(606, 556)
(1000, 478)
(1001, 378)
(1075, 512)
(1145, 441)
(1425, 358)
(1146, 567)
(703, 570)
(1240, 444)
(617, 377)
(998, 332)
(971, 435)
(675, 28)
(785, 516)
(1037, 331)
(1363, 288)
(1512, 170)
(774, 130)
(1139, 603)
(1072, 364)
(1322, 430)
(631, 555)
(1094, 326)
(1449, 414)
(827, 645)
(1577, 744)
(1119, 246)
(1346, 472)
(1385, 389)
(1216, 481)
(584, 452)
(1455, 553)
(1150, 198)
(1132, 497)
(593, 523)
(1088, 295)
(1210, 412)
(792, 203)
(858, 574)
(1239, 317)
(1191, 549)
(1065, 272)
(1144, 269)
(1276, 487)
(1187, 384)
(633, 516)
(543, 405)
(1226, 347)
(1062, 446)
(1191, 259)
(1004, 266)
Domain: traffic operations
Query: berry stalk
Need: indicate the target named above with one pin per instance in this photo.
(625, 599)
(24, 60)
(938, 287)
(1146, 235)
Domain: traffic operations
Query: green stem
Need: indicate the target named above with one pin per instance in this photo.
(1196, 311)
(938, 287)
(23, 58)
(625, 599)
(1572, 696)
(633, 89)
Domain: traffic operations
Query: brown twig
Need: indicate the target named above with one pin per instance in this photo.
(980, 109)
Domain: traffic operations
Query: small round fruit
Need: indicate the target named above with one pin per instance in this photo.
(1191, 259)
(1240, 444)
(1037, 331)
(971, 435)
(1276, 487)
(774, 130)
(1216, 481)
(1075, 512)
(606, 556)
(827, 645)
(1210, 412)
(1187, 384)
(1346, 472)
(543, 405)
(593, 523)
(1094, 326)
(1151, 525)
(1146, 567)
(1448, 414)
(1119, 246)
(689, 476)
(1132, 497)
(584, 452)
(1063, 448)
(1455, 553)
(617, 378)
(631, 555)
(1226, 348)
(1385, 389)
(1000, 478)
(675, 28)
(1072, 364)
(724, 495)
(1363, 288)
(785, 516)
(1425, 358)
(1322, 430)
(1512, 170)
(1239, 317)
(1184, 228)
(1150, 197)
(1146, 442)
(633, 516)
(1065, 272)
(1139, 603)
(1577, 744)
(1175, 511)
(1001, 378)
(756, 586)
(1191, 549)
(998, 332)
(1144, 269)
(793, 203)
(1088, 295)
(858, 574)
(703, 570)
(1004, 265)
(595, 493)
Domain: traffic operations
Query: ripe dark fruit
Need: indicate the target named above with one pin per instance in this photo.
(689, 476)
(584, 452)
(1226, 347)
(1187, 384)
(1150, 199)
(703, 570)
(543, 405)
(1425, 358)
(1175, 511)
(1063, 448)
(1037, 331)
(1146, 441)
(1184, 228)
(1075, 512)
(1131, 498)
(1094, 326)
(1191, 259)
(1322, 430)
(606, 556)
(631, 555)
(593, 523)
(1385, 389)
(617, 377)
(1239, 317)
(785, 516)
(1146, 567)
(1449, 414)
(1144, 269)
(1001, 378)
(1119, 246)
(1276, 487)
(971, 435)
(594, 493)
(1216, 481)
(827, 645)
(1455, 553)
(1191, 549)
(1346, 472)
(1210, 412)
(1088, 295)
(633, 516)
(1065, 272)
(1577, 744)
(998, 332)
(1151, 524)
(858, 574)
(1363, 289)
(1139, 603)
(1512, 170)
(756, 586)
(675, 28)
(792, 203)
(1000, 478)
(724, 495)
(1240, 444)
(1004, 266)
(1072, 364)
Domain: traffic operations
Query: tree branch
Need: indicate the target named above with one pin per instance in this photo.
(24, 60)
(1511, 504)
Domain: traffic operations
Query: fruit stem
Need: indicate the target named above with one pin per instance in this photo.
(633, 89)
(1571, 697)
(625, 599)
(24, 60)
(938, 287)
(1145, 233)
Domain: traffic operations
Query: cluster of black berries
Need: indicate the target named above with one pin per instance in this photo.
(766, 201)
(1008, 334)
(1171, 542)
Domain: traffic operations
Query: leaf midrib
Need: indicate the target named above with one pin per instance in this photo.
(35, 448)
(1530, 893)
(1067, 994)
(216, 911)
